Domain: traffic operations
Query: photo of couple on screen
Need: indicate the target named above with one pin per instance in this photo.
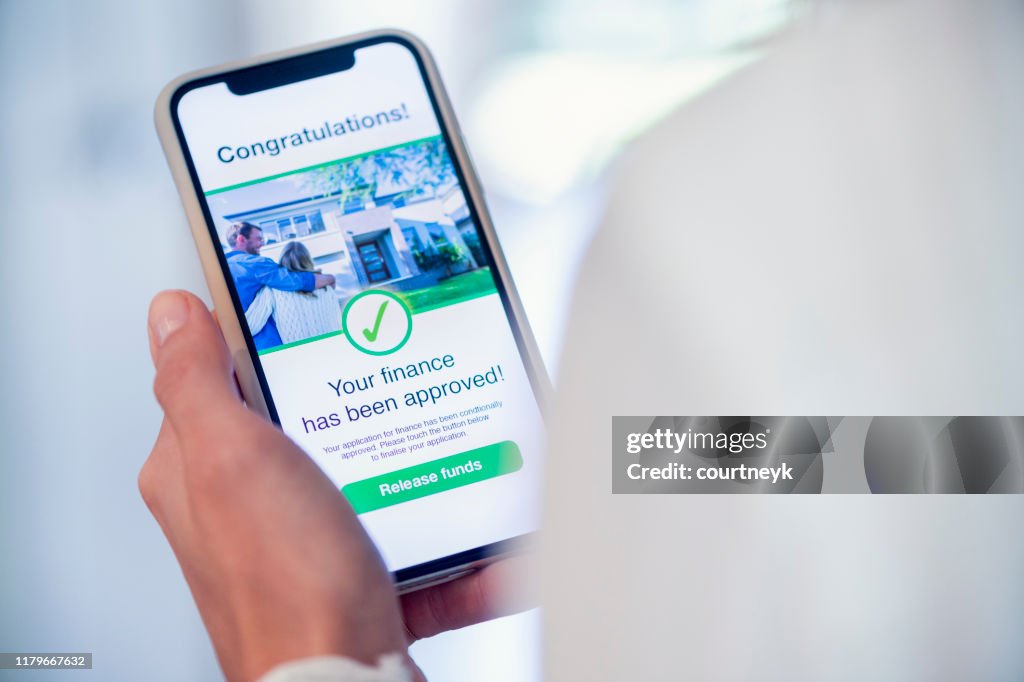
(300, 245)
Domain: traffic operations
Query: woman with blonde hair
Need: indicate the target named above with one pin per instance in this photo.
(299, 315)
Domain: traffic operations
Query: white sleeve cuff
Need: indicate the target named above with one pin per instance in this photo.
(390, 668)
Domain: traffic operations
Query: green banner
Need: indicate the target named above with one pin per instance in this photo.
(433, 477)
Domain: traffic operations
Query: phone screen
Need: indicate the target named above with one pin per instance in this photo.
(376, 320)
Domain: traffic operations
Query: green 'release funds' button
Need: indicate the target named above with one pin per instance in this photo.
(432, 477)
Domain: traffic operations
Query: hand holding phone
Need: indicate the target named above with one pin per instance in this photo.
(279, 566)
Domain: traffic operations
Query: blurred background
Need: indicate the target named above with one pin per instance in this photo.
(91, 226)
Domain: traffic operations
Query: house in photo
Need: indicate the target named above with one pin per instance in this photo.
(396, 238)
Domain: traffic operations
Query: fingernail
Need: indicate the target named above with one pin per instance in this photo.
(167, 314)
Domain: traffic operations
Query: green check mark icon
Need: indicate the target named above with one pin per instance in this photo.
(371, 335)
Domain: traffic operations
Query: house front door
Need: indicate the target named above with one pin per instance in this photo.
(377, 269)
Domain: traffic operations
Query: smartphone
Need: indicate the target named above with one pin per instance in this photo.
(361, 289)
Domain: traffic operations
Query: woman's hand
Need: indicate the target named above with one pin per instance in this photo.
(278, 563)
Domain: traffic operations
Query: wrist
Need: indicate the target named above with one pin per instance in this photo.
(269, 643)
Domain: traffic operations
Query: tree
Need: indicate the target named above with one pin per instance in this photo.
(420, 168)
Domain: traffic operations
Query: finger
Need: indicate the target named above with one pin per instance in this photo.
(452, 605)
(194, 382)
(499, 589)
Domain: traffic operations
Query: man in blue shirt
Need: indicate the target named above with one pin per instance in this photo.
(251, 272)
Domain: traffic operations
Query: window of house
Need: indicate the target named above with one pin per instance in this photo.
(412, 238)
(353, 204)
(287, 229)
(437, 234)
(316, 222)
(271, 233)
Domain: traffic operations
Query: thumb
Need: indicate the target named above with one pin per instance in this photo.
(194, 380)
